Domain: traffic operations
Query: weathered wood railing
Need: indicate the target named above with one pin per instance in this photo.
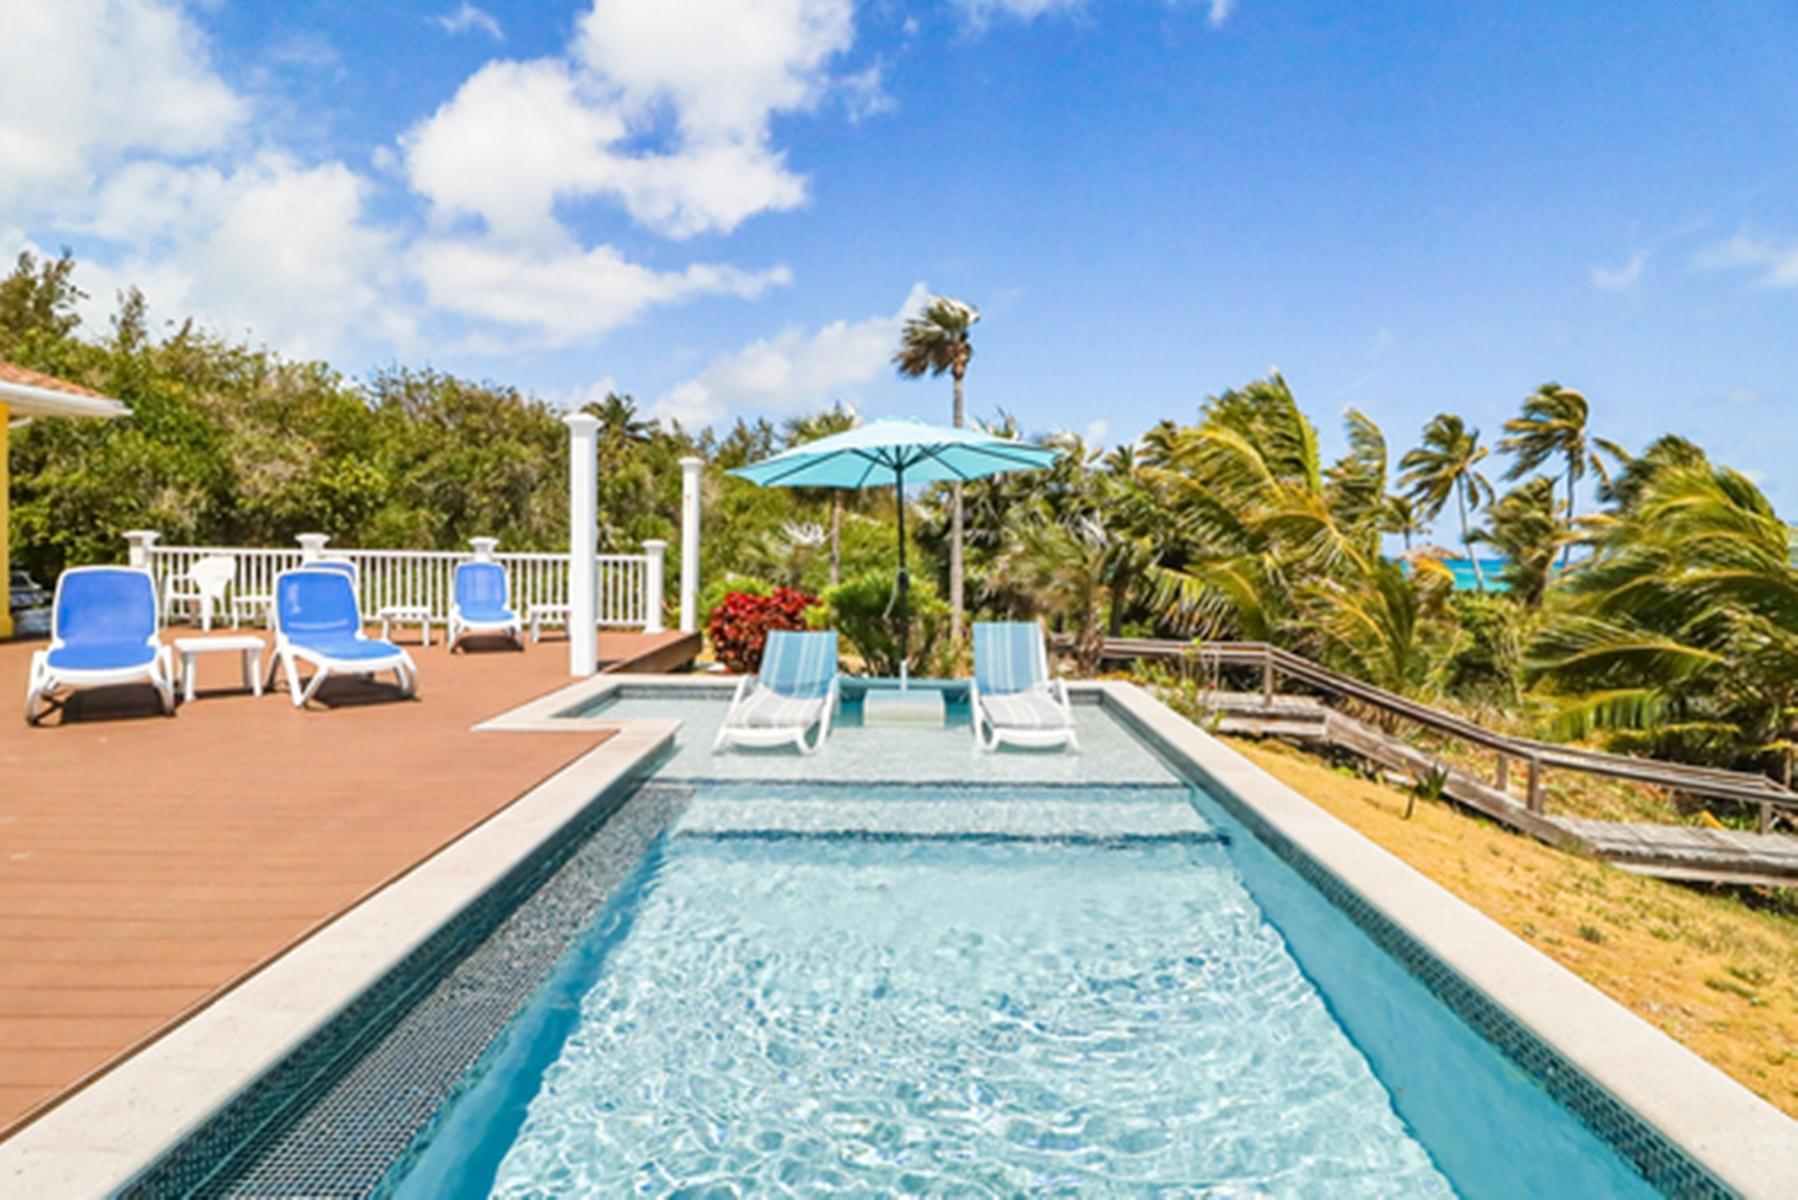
(1275, 663)
(426, 578)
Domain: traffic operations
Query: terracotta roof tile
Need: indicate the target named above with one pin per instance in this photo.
(37, 379)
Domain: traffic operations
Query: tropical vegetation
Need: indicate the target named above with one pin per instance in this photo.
(1656, 611)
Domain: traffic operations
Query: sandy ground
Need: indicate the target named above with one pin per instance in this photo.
(1706, 968)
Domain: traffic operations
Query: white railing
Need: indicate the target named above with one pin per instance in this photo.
(425, 578)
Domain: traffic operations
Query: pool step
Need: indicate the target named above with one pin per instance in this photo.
(1006, 820)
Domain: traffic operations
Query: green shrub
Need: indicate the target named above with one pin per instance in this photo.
(858, 609)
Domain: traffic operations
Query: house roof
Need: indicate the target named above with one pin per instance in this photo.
(28, 393)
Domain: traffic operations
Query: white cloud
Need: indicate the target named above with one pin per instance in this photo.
(560, 298)
(1623, 278)
(724, 66)
(466, 18)
(791, 371)
(979, 12)
(516, 139)
(1775, 260)
(662, 105)
(865, 94)
(278, 249)
(117, 128)
(1096, 432)
(90, 80)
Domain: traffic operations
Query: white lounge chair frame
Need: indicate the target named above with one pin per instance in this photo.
(989, 734)
(290, 654)
(460, 626)
(815, 712)
(43, 680)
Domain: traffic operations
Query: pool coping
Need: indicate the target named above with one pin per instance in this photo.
(101, 1138)
(1743, 1140)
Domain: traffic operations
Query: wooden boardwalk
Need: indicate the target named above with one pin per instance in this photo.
(1681, 852)
(149, 863)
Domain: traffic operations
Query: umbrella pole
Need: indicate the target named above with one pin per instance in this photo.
(904, 580)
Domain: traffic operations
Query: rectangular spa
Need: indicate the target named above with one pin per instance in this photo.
(905, 968)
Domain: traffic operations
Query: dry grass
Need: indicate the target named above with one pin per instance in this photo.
(1707, 969)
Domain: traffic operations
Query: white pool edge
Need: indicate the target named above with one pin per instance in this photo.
(1742, 1139)
(100, 1138)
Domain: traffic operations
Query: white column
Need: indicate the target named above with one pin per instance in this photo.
(312, 546)
(690, 467)
(140, 542)
(583, 539)
(483, 548)
(653, 575)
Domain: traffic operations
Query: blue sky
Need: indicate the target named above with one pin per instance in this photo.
(725, 206)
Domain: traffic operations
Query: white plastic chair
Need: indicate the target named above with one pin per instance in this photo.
(202, 589)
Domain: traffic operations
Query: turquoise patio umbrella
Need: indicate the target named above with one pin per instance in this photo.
(892, 454)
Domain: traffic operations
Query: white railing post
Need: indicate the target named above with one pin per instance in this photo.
(690, 467)
(140, 542)
(483, 548)
(583, 539)
(653, 583)
(312, 546)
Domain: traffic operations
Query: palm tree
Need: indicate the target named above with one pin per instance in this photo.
(1681, 636)
(1067, 569)
(799, 430)
(1554, 424)
(1525, 526)
(934, 341)
(1400, 516)
(1246, 513)
(1447, 465)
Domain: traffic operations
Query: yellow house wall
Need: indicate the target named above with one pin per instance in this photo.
(5, 528)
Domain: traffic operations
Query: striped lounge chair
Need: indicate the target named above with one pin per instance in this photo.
(795, 690)
(1013, 698)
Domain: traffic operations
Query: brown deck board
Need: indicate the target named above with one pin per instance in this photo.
(147, 863)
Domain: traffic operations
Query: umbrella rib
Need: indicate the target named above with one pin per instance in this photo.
(936, 452)
(796, 468)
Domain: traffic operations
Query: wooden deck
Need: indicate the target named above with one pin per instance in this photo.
(148, 863)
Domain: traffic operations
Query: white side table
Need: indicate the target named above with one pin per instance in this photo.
(399, 614)
(555, 614)
(189, 650)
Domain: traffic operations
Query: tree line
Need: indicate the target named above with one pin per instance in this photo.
(1648, 601)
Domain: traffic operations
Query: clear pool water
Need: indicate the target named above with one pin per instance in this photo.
(1072, 976)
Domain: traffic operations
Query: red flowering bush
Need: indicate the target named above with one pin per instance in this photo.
(739, 626)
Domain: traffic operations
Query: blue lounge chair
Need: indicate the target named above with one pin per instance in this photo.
(795, 690)
(342, 566)
(103, 630)
(482, 603)
(1013, 698)
(317, 623)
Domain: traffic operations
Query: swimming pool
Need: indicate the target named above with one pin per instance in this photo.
(901, 967)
